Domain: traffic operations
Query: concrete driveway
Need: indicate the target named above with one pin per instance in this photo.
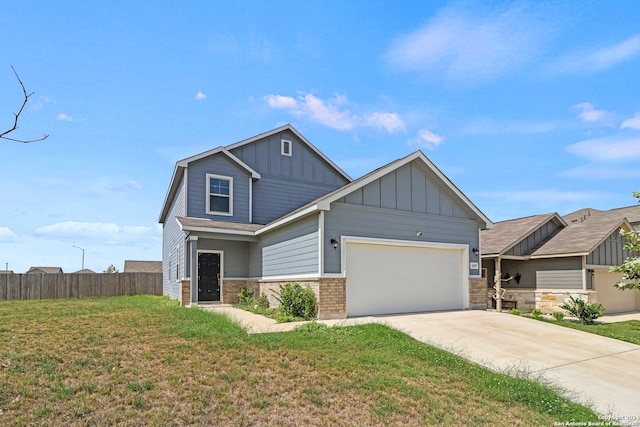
(595, 370)
(601, 372)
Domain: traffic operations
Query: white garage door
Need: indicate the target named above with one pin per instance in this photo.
(391, 278)
(613, 300)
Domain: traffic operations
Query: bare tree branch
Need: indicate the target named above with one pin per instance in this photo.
(17, 116)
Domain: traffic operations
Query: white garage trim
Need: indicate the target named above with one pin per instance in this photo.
(461, 258)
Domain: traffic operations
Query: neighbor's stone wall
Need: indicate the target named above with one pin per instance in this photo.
(545, 301)
(477, 293)
(231, 289)
(185, 292)
(332, 303)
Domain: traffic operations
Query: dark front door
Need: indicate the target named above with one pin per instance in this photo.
(208, 276)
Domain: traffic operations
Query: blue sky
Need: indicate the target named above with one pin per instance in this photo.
(528, 107)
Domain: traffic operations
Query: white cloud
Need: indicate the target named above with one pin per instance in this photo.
(471, 49)
(97, 232)
(599, 59)
(131, 185)
(6, 235)
(333, 113)
(589, 114)
(607, 149)
(201, 95)
(632, 123)
(426, 139)
(64, 117)
(600, 172)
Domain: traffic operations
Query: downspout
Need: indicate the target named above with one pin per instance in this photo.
(584, 273)
(321, 243)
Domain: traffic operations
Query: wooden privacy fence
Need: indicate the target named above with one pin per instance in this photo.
(78, 285)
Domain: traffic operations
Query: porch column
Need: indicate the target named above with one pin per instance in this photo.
(498, 284)
(193, 268)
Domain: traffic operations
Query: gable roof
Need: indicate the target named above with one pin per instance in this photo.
(581, 238)
(506, 234)
(131, 266)
(181, 165)
(324, 202)
(45, 270)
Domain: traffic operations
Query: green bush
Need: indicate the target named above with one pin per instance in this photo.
(515, 311)
(558, 315)
(536, 313)
(245, 297)
(262, 302)
(296, 301)
(587, 313)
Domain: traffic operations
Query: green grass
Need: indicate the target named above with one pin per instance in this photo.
(145, 361)
(628, 331)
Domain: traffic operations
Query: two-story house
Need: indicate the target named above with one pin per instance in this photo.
(273, 209)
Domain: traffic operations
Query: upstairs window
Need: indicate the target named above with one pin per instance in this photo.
(285, 147)
(219, 195)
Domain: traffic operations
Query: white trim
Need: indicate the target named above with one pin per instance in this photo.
(288, 144)
(213, 251)
(292, 276)
(288, 219)
(320, 243)
(250, 200)
(558, 255)
(599, 267)
(208, 195)
(185, 162)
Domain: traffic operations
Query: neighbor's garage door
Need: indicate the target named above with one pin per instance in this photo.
(387, 278)
(613, 300)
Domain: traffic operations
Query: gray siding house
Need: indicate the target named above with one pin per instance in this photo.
(273, 209)
(542, 260)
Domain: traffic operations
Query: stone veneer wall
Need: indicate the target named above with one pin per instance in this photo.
(185, 292)
(330, 292)
(477, 294)
(545, 301)
(231, 289)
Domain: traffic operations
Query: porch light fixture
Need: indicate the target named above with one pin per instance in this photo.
(475, 251)
(334, 243)
(419, 233)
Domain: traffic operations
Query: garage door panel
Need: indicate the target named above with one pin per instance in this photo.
(385, 279)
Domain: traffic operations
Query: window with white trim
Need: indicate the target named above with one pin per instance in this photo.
(219, 195)
(285, 147)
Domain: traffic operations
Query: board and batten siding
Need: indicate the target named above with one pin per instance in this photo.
(410, 188)
(287, 182)
(266, 257)
(534, 239)
(559, 279)
(218, 164)
(610, 252)
(366, 221)
(173, 244)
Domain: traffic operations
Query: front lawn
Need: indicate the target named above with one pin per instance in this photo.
(625, 331)
(145, 361)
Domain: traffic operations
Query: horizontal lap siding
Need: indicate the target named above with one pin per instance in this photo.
(235, 255)
(353, 220)
(173, 244)
(559, 279)
(275, 244)
(528, 270)
(296, 256)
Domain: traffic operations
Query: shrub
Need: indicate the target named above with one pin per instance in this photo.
(587, 313)
(536, 313)
(296, 301)
(558, 315)
(245, 297)
(262, 302)
(515, 311)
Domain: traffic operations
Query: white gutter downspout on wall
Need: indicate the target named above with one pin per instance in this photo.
(321, 243)
(584, 273)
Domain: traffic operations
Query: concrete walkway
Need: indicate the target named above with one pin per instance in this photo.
(598, 371)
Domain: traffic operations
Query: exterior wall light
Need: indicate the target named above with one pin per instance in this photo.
(475, 251)
(334, 243)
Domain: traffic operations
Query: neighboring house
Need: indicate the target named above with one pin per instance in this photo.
(273, 209)
(45, 270)
(544, 259)
(131, 266)
(6, 271)
(84, 271)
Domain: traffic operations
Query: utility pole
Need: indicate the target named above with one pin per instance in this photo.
(78, 247)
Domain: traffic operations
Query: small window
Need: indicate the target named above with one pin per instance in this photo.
(285, 148)
(219, 195)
